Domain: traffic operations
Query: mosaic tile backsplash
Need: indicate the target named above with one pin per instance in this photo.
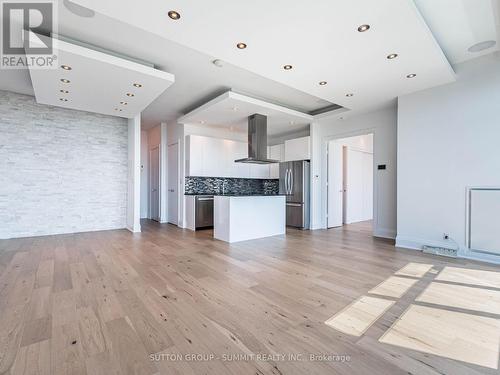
(213, 185)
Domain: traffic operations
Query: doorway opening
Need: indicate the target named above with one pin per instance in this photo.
(350, 182)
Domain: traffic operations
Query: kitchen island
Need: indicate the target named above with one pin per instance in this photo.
(248, 217)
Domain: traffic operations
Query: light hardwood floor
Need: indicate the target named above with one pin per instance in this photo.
(103, 302)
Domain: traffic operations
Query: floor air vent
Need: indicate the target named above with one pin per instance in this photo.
(443, 251)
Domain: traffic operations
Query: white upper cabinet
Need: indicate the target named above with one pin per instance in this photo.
(276, 152)
(298, 149)
(234, 151)
(259, 170)
(194, 155)
(214, 157)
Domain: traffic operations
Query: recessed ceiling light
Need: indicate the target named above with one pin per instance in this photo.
(481, 46)
(363, 28)
(174, 15)
(322, 83)
(287, 67)
(123, 103)
(130, 94)
(137, 85)
(64, 80)
(118, 109)
(66, 67)
(413, 75)
(392, 56)
(63, 99)
(218, 63)
(64, 91)
(241, 45)
(349, 95)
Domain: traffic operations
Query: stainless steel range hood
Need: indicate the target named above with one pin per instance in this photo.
(257, 141)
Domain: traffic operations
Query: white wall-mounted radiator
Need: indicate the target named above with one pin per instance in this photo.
(484, 220)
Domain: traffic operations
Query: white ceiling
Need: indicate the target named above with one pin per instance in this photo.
(319, 38)
(198, 81)
(459, 24)
(231, 110)
(98, 83)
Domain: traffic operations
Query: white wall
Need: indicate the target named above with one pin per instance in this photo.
(280, 139)
(61, 171)
(360, 142)
(144, 175)
(134, 175)
(448, 139)
(382, 124)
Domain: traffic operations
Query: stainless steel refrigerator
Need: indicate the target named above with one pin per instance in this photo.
(295, 183)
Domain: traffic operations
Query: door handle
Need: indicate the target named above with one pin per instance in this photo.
(294, 204)
(285, 182)
(291, 182)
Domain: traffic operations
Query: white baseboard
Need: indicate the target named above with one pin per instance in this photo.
(138, 229)
(384, 233)
(418, 243)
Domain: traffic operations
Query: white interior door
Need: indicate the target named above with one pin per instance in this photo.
(154, 183)
(358, 186)
(335, 184)
(173, 183)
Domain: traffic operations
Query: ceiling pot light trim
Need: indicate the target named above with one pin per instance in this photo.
(392, 56)
(218, 63)
(63, 99)
(322, 83)
(413, 75)
(78, 10)
(481, 46)
(138, 85)
(64, 91)
(129, 94)
(123, 103)
(174, 15)
(364, 28)
(64, 80)
(287, 67)
(241, 45)
(350, 95)
(66, 67)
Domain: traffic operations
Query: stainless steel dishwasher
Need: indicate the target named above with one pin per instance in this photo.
(204, 211)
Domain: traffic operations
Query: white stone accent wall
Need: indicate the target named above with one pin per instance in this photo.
(61, 170)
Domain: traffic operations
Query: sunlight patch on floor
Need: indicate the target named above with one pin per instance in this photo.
(393, 287)
(414, 269)
(356, 318)
(463, 297)
(464, 337)
(468, 276)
